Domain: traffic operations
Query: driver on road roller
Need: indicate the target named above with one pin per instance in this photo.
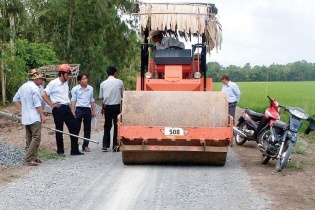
(163, 42)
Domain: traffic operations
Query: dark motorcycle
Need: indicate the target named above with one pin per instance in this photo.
(251, 124)
(278, 141)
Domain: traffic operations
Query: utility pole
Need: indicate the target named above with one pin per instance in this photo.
(3, 92)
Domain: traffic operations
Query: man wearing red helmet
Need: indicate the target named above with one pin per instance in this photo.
(58, 91)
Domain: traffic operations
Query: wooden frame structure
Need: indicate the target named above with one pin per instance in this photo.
(51, 72)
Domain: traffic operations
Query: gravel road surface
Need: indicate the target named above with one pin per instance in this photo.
(99, 180)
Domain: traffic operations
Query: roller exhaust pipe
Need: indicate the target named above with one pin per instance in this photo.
(243, 135)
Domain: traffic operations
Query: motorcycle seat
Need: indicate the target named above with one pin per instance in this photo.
(254, 114)
(279, 124)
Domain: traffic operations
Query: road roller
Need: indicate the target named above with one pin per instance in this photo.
(173, 116)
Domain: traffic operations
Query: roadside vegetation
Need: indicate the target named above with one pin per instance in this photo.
(34, 33)
(254, 96)
(95, 35)
(301, 94)
(46, 155)
(295, 71)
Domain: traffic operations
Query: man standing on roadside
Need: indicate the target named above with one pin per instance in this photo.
(111, 91)
(82, 106)
(28, 100)
(40, 83)
(233, 93)
(58, 90)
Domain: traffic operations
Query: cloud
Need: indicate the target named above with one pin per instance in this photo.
(263, 32)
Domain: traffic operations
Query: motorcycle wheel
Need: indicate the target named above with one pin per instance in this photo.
(263, 140)
(284, 156)
(238, 139)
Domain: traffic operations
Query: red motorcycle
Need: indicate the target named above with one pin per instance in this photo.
(252, 124)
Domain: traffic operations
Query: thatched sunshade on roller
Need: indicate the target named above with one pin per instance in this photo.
(183, 19)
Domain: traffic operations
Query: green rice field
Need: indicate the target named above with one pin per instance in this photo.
(254, 95)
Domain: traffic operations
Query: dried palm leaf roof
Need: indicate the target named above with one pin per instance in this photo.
(182, 19)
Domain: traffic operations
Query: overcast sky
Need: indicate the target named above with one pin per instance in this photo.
(263, 32)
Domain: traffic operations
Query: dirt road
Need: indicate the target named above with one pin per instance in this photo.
(99, 180)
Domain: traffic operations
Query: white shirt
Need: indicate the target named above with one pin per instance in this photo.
(232, 91)
(82, 97)
(169, 42)
(111, 90)
(30, 98)
(58, 91)
(41, 89)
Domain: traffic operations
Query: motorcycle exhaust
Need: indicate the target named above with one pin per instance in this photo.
(243, 135)
(262, 149)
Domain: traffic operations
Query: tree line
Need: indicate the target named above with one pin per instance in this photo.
(297, 71)
(94, 34)
(91, 33)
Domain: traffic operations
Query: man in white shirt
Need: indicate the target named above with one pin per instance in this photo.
(163, 42)
(82, 106)
(28, 100)
(58, 91)
(111, 91)
(233, 93)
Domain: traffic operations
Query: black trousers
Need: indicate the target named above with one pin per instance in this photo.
(111, 113)
(83, 114)
(63, 115)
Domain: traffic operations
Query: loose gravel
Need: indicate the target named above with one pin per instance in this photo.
(99, 180)
(11, 156)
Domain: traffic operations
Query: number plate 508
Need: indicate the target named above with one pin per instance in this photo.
(171, 131)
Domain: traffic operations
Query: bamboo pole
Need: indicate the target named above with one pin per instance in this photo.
(1, 55)
(17, 118)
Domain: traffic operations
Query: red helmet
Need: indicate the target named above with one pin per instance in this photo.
(65, 68)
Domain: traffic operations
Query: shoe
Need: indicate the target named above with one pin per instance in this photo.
(86, 149)
(61, 155)
(116, 149)
(31, 163)
(76, 153)
(38, 161)
(104, 149)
